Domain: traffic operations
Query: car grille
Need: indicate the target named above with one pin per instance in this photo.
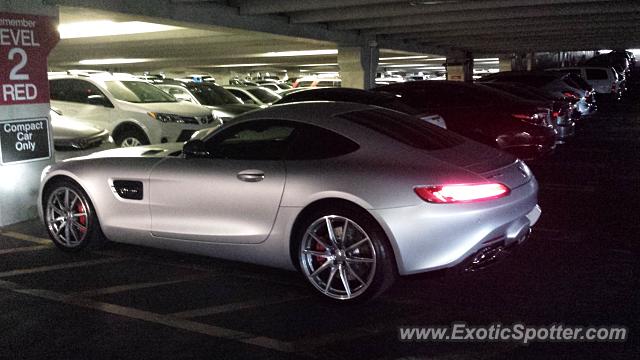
(197, 120)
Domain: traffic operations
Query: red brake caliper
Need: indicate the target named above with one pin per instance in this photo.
(320, 248)
(82, 220)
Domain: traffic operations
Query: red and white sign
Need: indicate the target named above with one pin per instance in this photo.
(25, 43)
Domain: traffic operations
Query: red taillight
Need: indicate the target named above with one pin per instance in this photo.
(571, 95)
(613, 88)
(540, 118)
(446, 194)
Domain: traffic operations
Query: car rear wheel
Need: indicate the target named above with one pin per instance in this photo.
(70, 217)
(132, 137)
(345, 255)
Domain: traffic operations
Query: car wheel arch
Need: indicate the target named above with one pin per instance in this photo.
(128, 126)
(326, 203)
(62, 177)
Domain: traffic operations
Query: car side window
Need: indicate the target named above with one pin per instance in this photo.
(244, 97)
(73, 90)
(255, 140)
(310, 143)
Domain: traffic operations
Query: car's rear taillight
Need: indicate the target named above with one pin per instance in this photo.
(447, 194)
(571, 96)
(613, 88)
(541, 117)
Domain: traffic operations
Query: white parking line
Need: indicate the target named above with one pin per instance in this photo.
(233, 307)
(167, 320)
(59, 267)
(25, 237)
(24, 249)
(137, 286)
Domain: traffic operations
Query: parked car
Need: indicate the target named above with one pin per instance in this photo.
(132, 110)
(558, 84)
(617, 60)
(254, 95)
(562, 109)
(490, 116)
(241, 82)
(359, 96)
(198, 78)
(391, 195)
(604, 80)
(224, 105)
(73, 138)
(317, 82)
(277, 87)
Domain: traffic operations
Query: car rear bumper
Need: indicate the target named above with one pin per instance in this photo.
(431, 237)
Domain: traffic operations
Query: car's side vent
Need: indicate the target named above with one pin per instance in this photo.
(127, 189)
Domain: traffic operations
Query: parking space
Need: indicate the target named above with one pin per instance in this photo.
(578, 268)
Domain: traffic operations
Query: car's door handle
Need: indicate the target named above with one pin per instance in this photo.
(251, 175)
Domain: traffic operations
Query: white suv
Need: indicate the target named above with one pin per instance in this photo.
(133, 111)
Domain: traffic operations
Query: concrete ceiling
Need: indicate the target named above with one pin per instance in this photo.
(217, 34)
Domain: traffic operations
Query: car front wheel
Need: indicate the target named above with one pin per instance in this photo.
(345, 255)
(70, 217)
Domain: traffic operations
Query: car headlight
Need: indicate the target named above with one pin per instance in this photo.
(167, 118)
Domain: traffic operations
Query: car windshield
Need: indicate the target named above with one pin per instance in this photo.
(404, 128)
(137, 92)
(213, 95)
(265, 95)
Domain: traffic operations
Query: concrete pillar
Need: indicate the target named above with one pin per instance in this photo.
(358, 65)
(460, 68)
(531, 61)
(26, 139)
(505, 62)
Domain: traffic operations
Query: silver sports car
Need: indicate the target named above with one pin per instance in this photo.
(351, 195)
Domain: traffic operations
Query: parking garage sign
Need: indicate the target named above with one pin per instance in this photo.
(24, 140)
(25, 43)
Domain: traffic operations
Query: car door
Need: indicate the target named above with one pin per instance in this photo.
(230, 195)
(76, 98)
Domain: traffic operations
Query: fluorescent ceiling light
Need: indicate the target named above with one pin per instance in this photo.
(311, 65)
(109, 28)
(425, 57)
(299, 53)
(432, 68)
(112, 61)
(405, 65)
(238, 65)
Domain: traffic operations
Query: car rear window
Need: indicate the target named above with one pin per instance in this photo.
(596, 74)
(406, 129)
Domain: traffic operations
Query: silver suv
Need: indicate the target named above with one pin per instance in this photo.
(133, 111)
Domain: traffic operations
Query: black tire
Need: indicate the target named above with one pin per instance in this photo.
(365, 282)
(125, 138)
(76, 203)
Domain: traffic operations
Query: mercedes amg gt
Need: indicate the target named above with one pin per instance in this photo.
(350, 195)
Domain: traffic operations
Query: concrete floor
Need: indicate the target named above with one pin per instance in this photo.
(578, 268)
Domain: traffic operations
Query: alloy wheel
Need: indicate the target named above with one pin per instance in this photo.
(66, 217)
(338, 257)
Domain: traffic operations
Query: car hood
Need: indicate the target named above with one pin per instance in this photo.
(158, 150)
(232, 110)
(182, 108)
(65, 128)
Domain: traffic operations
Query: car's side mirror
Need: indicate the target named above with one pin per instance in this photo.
(195, 149)
(98, 100)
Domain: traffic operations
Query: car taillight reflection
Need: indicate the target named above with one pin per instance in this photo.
(447, 194)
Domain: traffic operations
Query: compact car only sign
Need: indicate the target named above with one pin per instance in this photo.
(24, 140)
(25, 43)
